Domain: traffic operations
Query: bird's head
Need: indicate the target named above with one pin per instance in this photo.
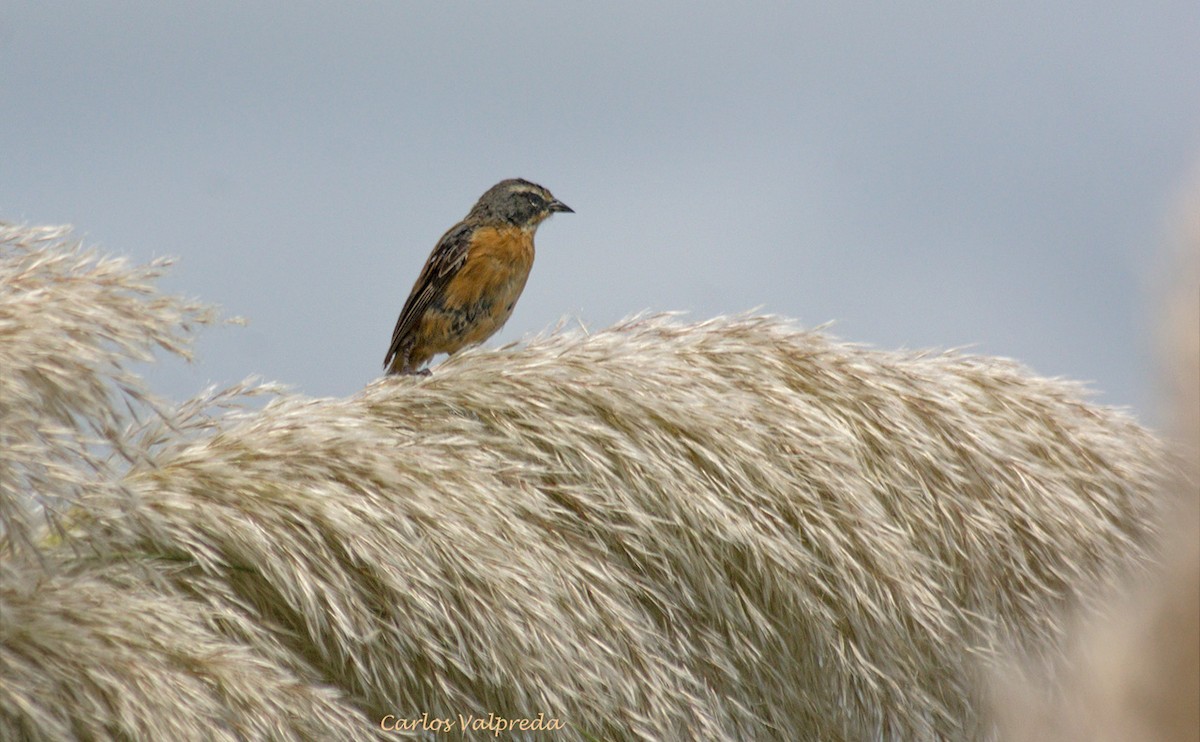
(518, 202)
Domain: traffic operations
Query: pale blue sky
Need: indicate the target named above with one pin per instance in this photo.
(925, 174)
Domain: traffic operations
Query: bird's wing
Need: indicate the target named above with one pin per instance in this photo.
(446, 260)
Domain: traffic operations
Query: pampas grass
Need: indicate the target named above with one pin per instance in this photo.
(71, 320)
(726, 530)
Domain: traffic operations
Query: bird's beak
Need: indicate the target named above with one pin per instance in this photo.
(557, 205)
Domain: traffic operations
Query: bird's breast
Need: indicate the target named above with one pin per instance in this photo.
(481, 297)
(497, 265)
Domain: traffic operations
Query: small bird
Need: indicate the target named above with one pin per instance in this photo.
(473, 277)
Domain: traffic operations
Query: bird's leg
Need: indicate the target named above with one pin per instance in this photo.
(406, 367)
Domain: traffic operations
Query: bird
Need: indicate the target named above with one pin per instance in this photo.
(471, 281)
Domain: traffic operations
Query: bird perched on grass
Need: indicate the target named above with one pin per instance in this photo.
(473, 277)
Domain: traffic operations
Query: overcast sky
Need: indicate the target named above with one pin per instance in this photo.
(924, 174)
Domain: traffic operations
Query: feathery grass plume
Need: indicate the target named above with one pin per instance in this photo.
(731, 528)
(94, 644)
(1133, 673)
(71, 320)
(726, 530)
